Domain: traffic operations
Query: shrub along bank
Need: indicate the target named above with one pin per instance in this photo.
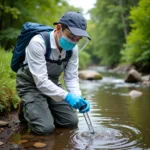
(8, 96)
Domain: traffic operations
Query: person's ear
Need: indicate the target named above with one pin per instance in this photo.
(58, 27)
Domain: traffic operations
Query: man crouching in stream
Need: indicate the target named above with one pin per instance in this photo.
(45, 104)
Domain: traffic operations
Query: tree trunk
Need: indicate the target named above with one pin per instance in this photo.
(11, 17)
(123, 21)
(2, 15)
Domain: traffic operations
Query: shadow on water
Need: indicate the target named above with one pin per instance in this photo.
(119, 122)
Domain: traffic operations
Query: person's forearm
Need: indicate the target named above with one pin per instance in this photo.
(48, 88)
(73, 86)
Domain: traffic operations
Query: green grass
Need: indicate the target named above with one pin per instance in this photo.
(8, 96)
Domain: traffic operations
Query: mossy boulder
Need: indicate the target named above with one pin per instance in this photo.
(133, 76)
(89, 75)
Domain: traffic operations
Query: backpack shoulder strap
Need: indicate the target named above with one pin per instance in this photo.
(68, 56)
(46, 36)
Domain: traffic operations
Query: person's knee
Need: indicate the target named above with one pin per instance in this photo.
(74, 121)
(43, 129)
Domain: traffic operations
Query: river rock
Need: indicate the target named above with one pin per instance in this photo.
(147, 83)
(23, 141)
(3, 123)
(122, 68)
(27, 136)
(89, 75)
(1, 129)
(14, 147)
(1, 143)
(133, 77)
(146, 78)
(39, 145)
(135, 94)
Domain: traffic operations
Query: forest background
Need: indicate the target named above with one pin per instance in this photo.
(119, 30)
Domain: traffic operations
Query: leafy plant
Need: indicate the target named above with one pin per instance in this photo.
(8, 96)
(137, 48)
(111, 27)
(84, 59)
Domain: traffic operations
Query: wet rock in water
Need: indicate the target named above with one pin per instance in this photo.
(147, 83)
(89, 75)
(23, 141)
(39, 145)
(27, 136)
(146, 78)
(1, 143)
(3, 123)
(1, 130)
(133, 77)
(122, 68)
(135, 94)
(15, 147)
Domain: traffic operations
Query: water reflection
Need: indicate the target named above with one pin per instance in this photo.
(119, 122)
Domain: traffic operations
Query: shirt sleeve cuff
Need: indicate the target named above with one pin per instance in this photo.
(64, 96)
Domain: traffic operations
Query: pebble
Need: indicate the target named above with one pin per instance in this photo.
(135, 94)
(1, 130)
(14, 147)
(1, 143)
(39, 145)
(3, 123)
(23, 141)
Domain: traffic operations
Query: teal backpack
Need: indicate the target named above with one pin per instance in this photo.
(28, 31)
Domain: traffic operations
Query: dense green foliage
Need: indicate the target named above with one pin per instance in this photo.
(119, 28)
(15, 13)
(8, 97)
(121, 33)
(111, 29)
(137, 48)
(84, 60)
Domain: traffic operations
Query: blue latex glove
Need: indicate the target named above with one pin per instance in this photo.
(85, 108)
(77, 102)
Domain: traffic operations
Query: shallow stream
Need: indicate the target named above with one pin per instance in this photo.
(119, 121)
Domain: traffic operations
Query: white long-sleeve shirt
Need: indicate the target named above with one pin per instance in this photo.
(35, 58)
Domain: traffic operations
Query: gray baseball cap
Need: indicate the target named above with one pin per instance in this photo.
(75, 22)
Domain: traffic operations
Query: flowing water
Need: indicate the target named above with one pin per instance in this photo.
(119, 121)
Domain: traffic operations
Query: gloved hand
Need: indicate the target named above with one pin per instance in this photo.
(77, 102)
(85, 107)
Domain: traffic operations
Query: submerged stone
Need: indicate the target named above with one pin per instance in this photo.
(14, 147)
(1, 143)
(135, 94)
(133, 77)
(3, 123)
(89, 75)
(23, 141)
(39, 145)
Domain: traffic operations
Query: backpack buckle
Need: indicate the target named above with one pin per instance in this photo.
(59, 62)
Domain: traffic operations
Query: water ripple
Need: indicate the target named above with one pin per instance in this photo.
(115, 136)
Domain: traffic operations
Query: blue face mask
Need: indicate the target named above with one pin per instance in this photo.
(66, 44)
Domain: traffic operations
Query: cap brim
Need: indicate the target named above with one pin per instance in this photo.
(76, 31)
(55, 23)
(79, 32)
